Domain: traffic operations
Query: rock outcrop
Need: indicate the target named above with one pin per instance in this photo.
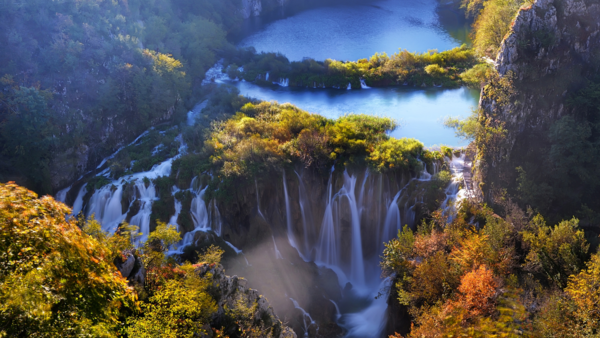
(233, 292)
(552, 48)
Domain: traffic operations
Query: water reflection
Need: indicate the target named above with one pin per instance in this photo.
(420, 112)
(350, 31)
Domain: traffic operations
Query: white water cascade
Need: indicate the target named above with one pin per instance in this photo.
(78, 204)
(363, 84)
(454, 195)
(147, 195)
(392, 221)
(349, 86)
(306, 318)
(283, 82)
(307, 216)
(277, 252)
(329, 243)
(288, 213)
(61, 196)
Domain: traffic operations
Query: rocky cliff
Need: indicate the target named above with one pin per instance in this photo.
(552, 49)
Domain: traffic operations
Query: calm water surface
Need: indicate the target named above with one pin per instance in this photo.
(350, 30)
(355, 30)
(420, 112)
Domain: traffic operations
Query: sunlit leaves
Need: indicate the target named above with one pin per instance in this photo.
(55, 279)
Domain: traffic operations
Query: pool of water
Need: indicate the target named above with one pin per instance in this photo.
(419, 112)
(357, 29)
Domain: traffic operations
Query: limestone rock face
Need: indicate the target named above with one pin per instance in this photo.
(232, 289)
(553, 46)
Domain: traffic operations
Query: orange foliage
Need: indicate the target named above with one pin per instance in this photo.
(478, 291)
(427, 245)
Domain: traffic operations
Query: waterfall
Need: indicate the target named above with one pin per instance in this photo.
(328, 246)
(238, 251)
(349, 86)
(363, 85)
(277, 252)
(330, 241)
(173, 219)
(357, 267)
(215, 218)
(307, 215)
(305, 316)
(267, 76)
(392, 222)
(258, 201)
(147, 195)
(283, 82)
(371, 321)
(288, 216)
(105, 205)
(454, 196)
(61, 196)
(200, 212)
(78, 205)
(338, 314)
(200, 216)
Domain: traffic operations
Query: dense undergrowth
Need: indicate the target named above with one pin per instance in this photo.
(482, 275)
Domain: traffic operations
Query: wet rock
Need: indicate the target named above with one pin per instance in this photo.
(232, 290)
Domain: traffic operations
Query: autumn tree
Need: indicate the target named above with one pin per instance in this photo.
(54, 279)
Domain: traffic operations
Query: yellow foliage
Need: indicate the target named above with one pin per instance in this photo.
(54, 279)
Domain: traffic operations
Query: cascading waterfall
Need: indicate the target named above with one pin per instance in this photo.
(283, 82)
(329, 243)
(328, 247)
(349, 86)
(106, 207)
(307, 215)
(363, 84)
(454, 195)
(200, 212)
(258, 201)
(178, 206)
(288, 213)
(392, 221)
(78, 205)
(305, 316)
(277, 252)
(215, 217)
(147, 195)
(61, 196)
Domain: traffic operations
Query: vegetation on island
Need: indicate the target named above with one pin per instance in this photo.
(267, 137)
(428, 69)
